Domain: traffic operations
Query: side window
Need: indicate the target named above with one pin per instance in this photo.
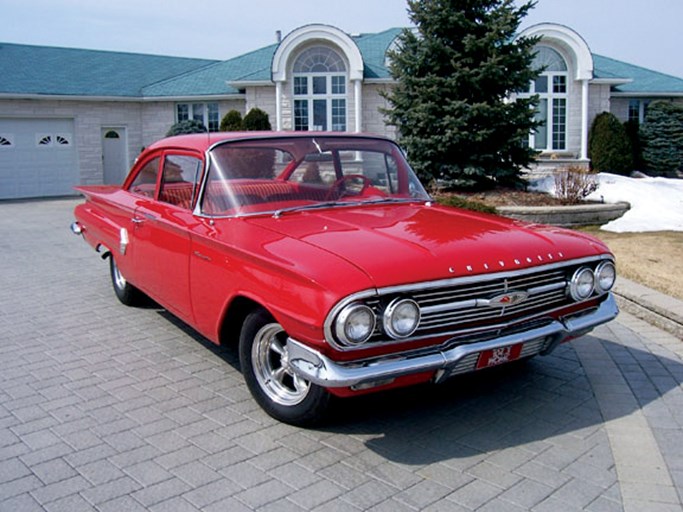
(179, 180)
(145, 182)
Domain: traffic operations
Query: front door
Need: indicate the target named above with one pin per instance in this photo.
(114, 159)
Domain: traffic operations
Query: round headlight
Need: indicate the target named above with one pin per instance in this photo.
(582, 284)
(355, 324)
(401, 318)
(605, 275)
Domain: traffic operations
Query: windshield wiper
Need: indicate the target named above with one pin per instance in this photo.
(315, 206)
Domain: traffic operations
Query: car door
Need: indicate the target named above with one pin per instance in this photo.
(161, 236)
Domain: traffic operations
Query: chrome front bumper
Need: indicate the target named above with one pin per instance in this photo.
(319, 369)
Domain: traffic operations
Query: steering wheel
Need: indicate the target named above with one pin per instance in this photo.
(339, 187)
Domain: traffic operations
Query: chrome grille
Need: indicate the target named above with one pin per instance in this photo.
(456, 307)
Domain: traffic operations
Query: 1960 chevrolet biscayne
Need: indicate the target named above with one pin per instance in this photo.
(324, 258)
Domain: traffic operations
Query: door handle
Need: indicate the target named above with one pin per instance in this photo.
(201, 256)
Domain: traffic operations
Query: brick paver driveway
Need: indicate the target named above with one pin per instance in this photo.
(109, 408)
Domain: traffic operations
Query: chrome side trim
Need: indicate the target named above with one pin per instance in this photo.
(315, 367)
(76, 228)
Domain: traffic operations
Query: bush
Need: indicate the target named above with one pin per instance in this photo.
(573, 184)
(231, 122)
(609, 147)
(465, 204)
(187, 126)
(662, 138)
(633, 132)
(256, 120)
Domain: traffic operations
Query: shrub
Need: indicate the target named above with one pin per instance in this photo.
(231, 122)
(609, 147)
(633, 132)
(466, 204)
(187, 126)
(662, 138)
(256, 120)
(573, 184)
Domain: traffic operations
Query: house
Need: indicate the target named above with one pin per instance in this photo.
(70, 116)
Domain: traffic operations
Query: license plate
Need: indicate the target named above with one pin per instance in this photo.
(496, 356)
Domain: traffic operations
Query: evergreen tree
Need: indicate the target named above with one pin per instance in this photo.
(187, 126)
(231, 122)
(609, 147)
(455, 76)
(256, 120)
(662, 137)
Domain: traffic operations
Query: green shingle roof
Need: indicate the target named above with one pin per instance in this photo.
(643, 80)
(41, 70)
(214, 79)
(28, 69)
(224, 77)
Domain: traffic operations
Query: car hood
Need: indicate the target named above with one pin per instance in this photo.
(400, 244)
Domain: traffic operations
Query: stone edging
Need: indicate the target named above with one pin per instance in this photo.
(655, 308)
(573, 215)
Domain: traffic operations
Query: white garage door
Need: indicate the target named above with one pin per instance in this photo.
(38, 158)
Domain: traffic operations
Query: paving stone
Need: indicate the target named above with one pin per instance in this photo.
(124, 409)
(202, 496)
(264, 493)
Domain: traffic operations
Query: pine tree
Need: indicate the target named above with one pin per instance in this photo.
(662, 138)
(609, 147)
(455, 76)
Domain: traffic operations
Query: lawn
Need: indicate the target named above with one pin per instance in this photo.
(653, 259)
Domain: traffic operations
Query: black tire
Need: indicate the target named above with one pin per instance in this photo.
(125, 292)
(280, 393)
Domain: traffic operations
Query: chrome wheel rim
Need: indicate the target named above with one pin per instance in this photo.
(270, 359)
(119, 280)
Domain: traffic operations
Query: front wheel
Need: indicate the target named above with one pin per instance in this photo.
(125, 292)
(264, 359)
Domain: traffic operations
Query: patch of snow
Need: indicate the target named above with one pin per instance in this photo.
(656, 203)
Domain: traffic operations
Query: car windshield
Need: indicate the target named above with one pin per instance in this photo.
(274, 175)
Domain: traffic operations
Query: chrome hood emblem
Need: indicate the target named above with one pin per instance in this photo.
(507, 299)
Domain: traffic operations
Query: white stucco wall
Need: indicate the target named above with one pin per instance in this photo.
(599, 101)
(373, 119)
(261, 97)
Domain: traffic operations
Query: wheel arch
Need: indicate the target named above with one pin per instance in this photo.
(233, 318)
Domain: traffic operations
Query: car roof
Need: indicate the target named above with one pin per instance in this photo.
(203, 141)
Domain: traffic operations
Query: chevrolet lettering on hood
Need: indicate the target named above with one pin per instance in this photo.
(322, 258)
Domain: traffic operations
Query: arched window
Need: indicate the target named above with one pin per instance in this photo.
(319, 82)
(551, 87)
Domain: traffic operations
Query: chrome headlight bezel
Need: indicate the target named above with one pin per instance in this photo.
(343, 324)
(605, 277)
(393, 311)
(582, 284)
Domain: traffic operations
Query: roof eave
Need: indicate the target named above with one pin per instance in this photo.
(640, 94)
(201, 97)
(66, 97)
(130, 99)
(241, 84)
(611, 81)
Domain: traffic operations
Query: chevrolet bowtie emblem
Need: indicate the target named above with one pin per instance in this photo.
(507, 299)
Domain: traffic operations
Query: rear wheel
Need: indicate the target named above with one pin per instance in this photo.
(264, 359)
(126, 292)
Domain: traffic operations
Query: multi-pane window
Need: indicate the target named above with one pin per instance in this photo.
(637, 110)
(319, 88)
(551, 86)
(206, 113)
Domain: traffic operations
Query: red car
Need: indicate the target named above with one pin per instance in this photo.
(324, 258)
